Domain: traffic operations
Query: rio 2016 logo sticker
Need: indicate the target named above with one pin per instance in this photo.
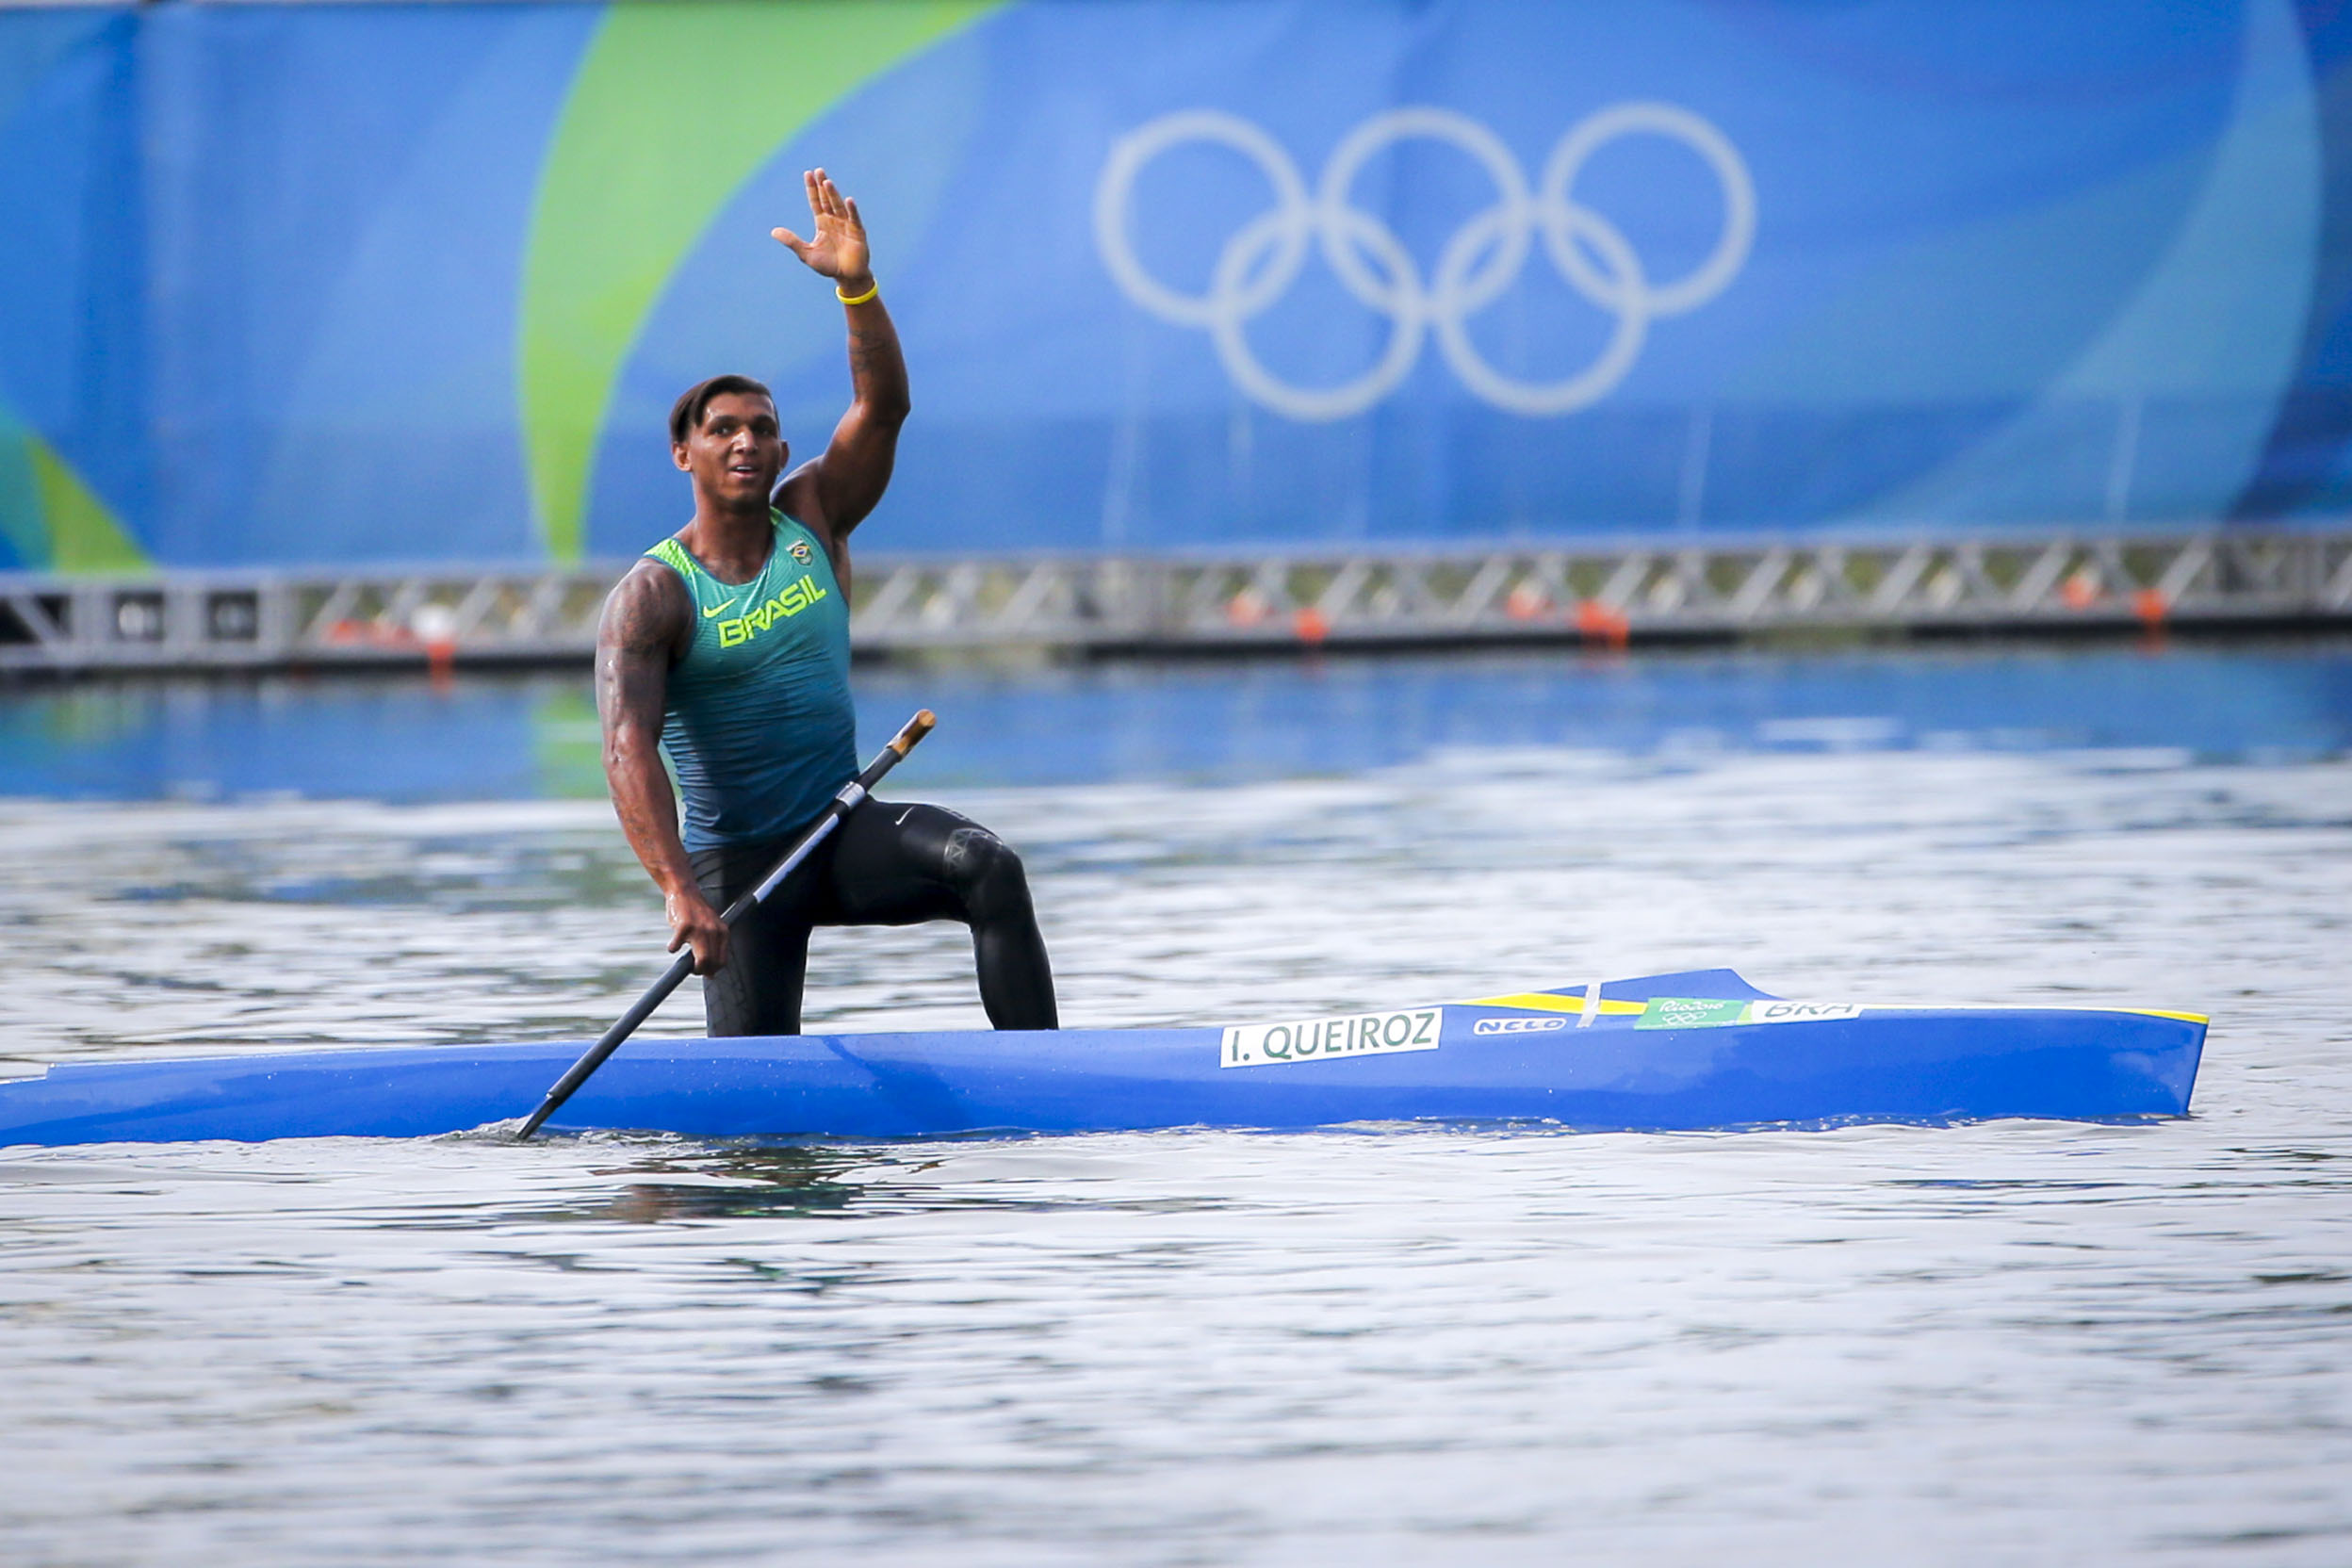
(1359, 1034)
(1261, 259)
(1689, 1012)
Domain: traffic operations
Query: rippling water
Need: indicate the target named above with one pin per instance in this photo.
(2014, 1341)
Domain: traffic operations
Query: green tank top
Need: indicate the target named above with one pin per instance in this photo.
(759, 724)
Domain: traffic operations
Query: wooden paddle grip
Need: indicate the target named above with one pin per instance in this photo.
(917, 728)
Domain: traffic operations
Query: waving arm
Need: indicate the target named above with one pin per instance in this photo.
(833, 493)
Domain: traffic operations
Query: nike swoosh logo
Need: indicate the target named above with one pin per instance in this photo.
(722, 609)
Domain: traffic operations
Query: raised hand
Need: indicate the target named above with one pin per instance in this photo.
(839, 250)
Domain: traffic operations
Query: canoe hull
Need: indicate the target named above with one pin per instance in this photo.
(1542, 1057)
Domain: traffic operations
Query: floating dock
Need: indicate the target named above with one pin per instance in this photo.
(1610, 593)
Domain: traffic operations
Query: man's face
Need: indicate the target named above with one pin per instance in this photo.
(736, 453)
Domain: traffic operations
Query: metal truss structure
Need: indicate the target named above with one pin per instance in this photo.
(1604, 592)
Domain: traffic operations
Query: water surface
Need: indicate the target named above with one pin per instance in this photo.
(2013, 1341)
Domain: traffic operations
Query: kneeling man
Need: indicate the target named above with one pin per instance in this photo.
(728, 647)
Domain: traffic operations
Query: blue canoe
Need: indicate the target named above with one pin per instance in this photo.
(1699, 1050)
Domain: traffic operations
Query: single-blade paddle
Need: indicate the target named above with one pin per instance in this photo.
(852, 795)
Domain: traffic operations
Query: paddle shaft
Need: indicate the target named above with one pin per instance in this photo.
(852, 795)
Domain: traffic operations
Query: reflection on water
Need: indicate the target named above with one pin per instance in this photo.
(2011, 1342)
(751, 1179)
(741, 1184)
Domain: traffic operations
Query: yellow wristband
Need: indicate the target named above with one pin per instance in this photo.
(857, 300)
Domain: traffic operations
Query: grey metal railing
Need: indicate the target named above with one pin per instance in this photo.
(1600, 592)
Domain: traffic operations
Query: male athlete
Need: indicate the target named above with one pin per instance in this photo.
(728, 645)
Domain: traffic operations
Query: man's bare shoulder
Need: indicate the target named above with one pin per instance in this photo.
(801, 498)
(648, 608)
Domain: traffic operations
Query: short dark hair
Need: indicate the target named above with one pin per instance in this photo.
(686, 414)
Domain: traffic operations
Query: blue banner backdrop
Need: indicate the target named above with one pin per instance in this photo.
(294, 285)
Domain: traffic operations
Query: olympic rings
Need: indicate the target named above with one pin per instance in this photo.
(1482, 258)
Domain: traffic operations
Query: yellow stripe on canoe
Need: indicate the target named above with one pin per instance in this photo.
(2026, 1007)
(1551, 1001)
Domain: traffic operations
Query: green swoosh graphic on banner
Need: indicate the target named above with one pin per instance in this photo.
(84, 535)
(52, 518)
(676, 103)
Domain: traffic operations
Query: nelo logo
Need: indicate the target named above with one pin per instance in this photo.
(1517, 1025)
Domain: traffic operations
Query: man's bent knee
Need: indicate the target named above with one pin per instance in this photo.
(986, 875)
